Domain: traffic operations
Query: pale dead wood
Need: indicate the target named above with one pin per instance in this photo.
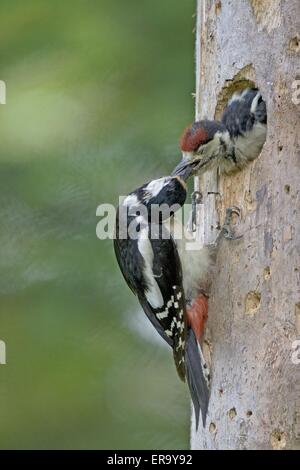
(254, 304)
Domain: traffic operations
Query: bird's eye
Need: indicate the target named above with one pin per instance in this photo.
(200, 150)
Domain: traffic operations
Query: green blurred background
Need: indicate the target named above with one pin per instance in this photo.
(97, 95)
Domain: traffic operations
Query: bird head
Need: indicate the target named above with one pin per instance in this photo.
(201, 144)
(166, 191)
(164, 195)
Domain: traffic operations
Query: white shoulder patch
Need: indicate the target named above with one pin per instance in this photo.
(153, 293)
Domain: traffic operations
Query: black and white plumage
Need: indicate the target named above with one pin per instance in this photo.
(151, 266)
(230, 143)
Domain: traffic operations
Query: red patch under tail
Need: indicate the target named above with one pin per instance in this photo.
(197, 314)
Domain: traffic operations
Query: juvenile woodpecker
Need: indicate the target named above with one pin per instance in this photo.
(230, 143)
(150, 263)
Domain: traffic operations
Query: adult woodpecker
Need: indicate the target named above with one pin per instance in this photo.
(150, 263)
(230, 143)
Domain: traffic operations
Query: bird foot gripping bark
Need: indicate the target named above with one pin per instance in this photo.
(226, 229)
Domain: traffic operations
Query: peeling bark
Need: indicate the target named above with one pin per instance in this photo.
(254, 308)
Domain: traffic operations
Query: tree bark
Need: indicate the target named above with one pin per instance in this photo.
(254, 306)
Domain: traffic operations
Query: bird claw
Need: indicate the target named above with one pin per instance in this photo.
(226, 230)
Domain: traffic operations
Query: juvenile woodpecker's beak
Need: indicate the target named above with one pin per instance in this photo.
(184, 169)
(190, 166)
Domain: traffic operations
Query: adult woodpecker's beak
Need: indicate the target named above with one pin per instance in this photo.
(190, 166)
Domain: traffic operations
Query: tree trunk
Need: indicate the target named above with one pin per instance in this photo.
(254, 307)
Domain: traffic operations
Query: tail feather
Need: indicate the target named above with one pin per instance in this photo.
(196, 378)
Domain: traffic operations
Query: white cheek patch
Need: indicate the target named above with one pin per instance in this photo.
(254, 103)
(212, 148)
(155, 186)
